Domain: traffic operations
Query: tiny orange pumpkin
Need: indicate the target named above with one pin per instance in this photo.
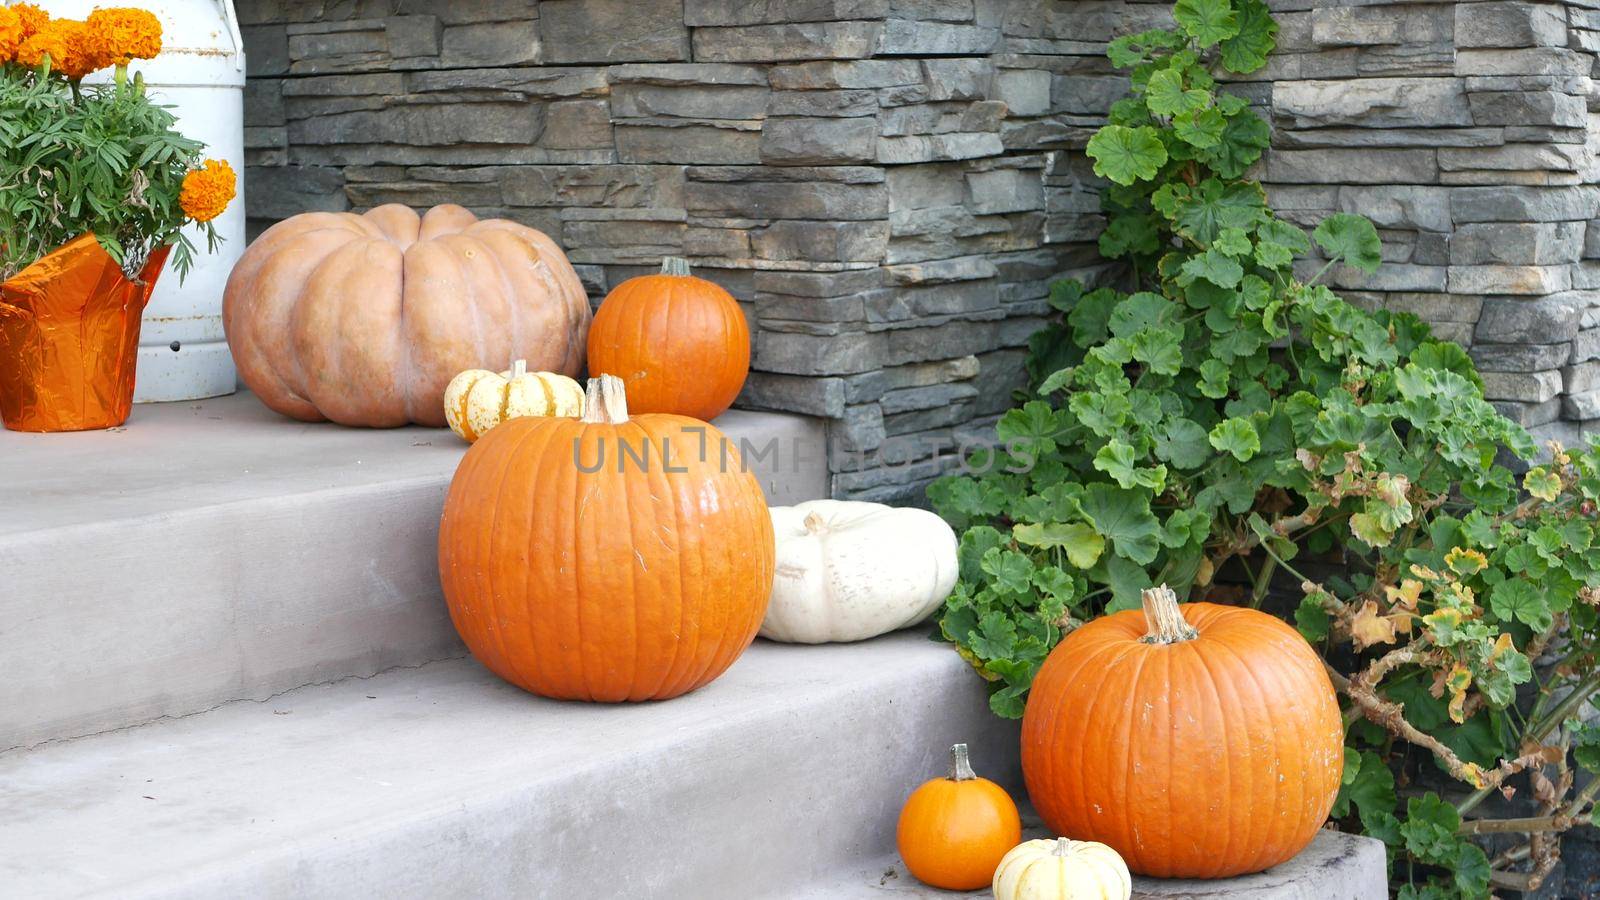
(953, 831)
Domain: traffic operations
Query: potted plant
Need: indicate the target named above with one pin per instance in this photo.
(94, 186)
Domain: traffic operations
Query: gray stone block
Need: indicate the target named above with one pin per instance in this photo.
(1586, 345)
(959, 79)
(1522, 280)
(703, 142)
(1377, 25)
(907, 37)
(859, 430)
(689, 101)
(830, 75)
(823, 103)
(1512, 243)
(1372, 103)
(1525, 387)
(794, 393)
(280, 192)
(789, 42)
(490, 44)
(1583, 407)
(925, 148)
(819, 141)
(1352, 166)
(804, 354)
(1581, 377)
(612, 31)
(1544, 320)
(1399, 206)
(1529, 415)
(764, 12)
(1524, 204)
(1515, 157)
(1025, 92)
(1544, 107)
(806, 241)
(1557, 61)
(1520, 357)
(1499, 24)
(799, 200)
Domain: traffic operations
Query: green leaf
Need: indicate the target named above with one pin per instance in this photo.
(1124, 518)
(1117, 460)
(1247, 51)
(1165, 95)
(1352, 239)
(1207, 21)
(1214, 267)
(1521, 601)
(1140, 311)
(1126, 155)
(1243, 139)
(1009, 569)
(1542, 483)
(1083, 545)
(1200, 128)
(1236, 436)
(1201, 213)
(1429, 830)
(1214, 375)
(1183, 443)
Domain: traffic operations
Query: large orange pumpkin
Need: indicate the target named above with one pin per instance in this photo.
(679, 342)
(606, 558)
(364, 319)
(1198, 741)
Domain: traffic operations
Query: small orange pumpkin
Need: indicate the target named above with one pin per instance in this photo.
(954, 831)
(679, 342)
(1198, 741)
(606, 558)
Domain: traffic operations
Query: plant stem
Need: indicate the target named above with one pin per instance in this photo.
(1536, 734)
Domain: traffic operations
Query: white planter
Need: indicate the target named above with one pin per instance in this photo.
(200, 73)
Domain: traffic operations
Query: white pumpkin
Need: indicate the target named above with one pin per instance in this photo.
(1062, 869)
(848, 571)
(477, 400)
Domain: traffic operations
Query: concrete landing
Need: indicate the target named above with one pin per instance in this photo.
(1335, 866)
(443, 781)
(212, 550)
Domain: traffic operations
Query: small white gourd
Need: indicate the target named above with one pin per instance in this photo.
(477, 400)
(1062, 869)
(848, 570)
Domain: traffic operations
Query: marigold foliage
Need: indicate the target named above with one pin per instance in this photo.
(1218, 420)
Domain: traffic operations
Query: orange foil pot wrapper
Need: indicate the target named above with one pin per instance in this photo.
(69, 339)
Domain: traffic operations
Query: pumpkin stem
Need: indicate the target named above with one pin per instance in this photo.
(814, 523)
(605, 402)
(960, 765)
(519, 368)
(1164, 618)
(1063, 847)
(674, 265)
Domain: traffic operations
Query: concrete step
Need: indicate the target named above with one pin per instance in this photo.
(442, 781)
(1336, 866)
(212, 551)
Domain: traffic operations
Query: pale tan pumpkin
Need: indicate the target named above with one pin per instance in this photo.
(478, 400)
(1062, 869)
(364, 319)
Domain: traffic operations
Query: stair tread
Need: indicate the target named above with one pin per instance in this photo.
(259, 785)
(175, 457)
(1335, 866)
(214, 551)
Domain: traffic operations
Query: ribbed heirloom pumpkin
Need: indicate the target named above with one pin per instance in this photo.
(364, 319)
(606, 558)
(679, 342)
(1198, 741)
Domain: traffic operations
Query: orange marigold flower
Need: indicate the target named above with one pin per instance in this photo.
(124, 33)
(32, 17)
(10, 34)
(58, 39)
(207, 190)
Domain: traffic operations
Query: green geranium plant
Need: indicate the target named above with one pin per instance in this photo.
(1221, 424)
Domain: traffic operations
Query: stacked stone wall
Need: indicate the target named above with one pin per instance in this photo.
(888, 185)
